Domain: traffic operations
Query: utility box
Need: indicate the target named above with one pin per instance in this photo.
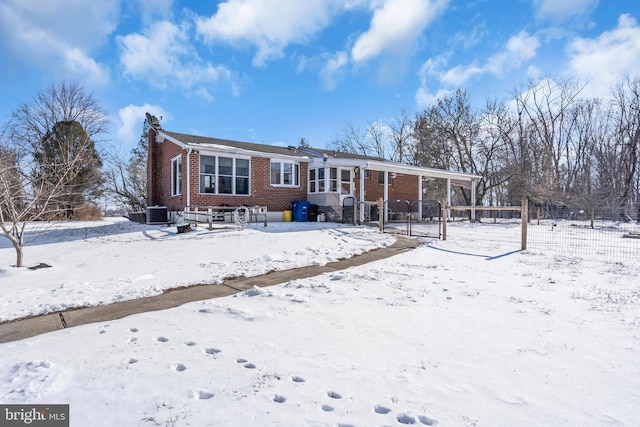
(156, 215)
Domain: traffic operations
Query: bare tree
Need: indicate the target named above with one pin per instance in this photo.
(548, 112)
(451, 135)
(352, 140)
(25, 195)
(127, 178)
(626, 144)
(367, 142)
(401, 129)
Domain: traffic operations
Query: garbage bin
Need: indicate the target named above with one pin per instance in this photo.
(300, 210)
(313, 213)
(286, 215)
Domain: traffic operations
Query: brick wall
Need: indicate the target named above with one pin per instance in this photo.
(262, 193)
(402, 187)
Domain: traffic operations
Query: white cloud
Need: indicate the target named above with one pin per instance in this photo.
(164, 57)
(268, 25)
(332, 68)
(59, 36)
(460, 74)
(395, 25)
(562, 10)
(429, 71)
(520, 48)
(132, 118)
(607, 59)
(425, 99)
(153, 10)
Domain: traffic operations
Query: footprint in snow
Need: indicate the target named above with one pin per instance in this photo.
(406, 419)
(327, 408)
(241, 360)
(201, 395)
(379, 409)
(334, 395)
(211, 350)
(279, 399)
(162, 339)
(134, 330)
(297, 379)
(178, 367)
(427, 421)
(190, 343)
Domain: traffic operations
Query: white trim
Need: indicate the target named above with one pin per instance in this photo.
(216, 174)
(295, 173)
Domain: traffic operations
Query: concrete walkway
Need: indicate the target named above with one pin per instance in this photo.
(31, 326)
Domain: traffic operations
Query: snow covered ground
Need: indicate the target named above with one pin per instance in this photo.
(463, 332)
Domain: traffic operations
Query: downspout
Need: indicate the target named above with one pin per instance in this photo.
(189, 177)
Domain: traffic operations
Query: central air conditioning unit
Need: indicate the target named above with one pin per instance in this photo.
(156, 215)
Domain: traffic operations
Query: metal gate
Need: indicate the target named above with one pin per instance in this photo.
(421, 218)
(426, 219)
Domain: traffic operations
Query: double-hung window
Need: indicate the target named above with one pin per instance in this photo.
(316, 180)
(285, 174)
(207, 174)
(224, 175)
(176, 176)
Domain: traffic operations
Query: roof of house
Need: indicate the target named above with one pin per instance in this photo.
(264, 148)
(331, 157)
(203, 141)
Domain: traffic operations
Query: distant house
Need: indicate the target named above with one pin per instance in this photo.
(187, 170)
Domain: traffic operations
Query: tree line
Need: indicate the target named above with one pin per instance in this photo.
(564, 152)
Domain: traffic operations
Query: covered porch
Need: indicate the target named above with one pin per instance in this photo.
(367, 181)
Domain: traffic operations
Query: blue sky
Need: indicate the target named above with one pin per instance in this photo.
(273, 71)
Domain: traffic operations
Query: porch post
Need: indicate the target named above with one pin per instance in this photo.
(386, 195)
(473, 199)
(448, 198)
(420, 193)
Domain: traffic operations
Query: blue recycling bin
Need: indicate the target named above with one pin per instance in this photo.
(300, 210)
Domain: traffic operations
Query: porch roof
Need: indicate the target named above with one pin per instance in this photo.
(400, 168)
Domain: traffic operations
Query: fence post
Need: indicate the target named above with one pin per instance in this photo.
(381, 214)
(525, 219)
(444, 221)
(355, 212)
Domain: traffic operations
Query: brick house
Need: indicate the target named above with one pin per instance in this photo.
(187, 170)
